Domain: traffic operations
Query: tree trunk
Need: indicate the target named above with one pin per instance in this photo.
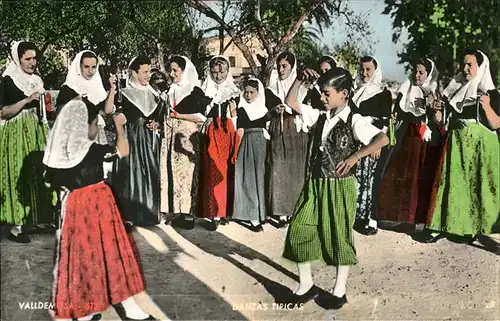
(161, 55)
(267, 70)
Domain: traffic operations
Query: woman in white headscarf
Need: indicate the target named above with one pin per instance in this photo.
(465, 198)
(287, 150)
(136, 178)
(183, 134)
(95, 264)
(373, 100)
(84, 80)
(249, 187)
(221, 142)
(24, 199)
(411, 165)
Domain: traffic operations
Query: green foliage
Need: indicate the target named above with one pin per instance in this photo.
(443, 29)
(115, 30)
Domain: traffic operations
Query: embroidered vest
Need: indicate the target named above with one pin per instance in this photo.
(339, 145)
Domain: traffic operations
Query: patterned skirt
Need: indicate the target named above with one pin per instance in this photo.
(466, 197)
(219, 155)
(95, 263)
(365, 176)
(321, 227)
(24, 199)
(182, 161)
(249, 187)
(286, 164)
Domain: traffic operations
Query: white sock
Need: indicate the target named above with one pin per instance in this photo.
(217, 219)
(434, 234)
(372, 223)
(55, 319)
(341, 281)
(132, 310)
(87, 318)
(188, 217)
(254, 222)
(306, 280)
(16, 230)
(283, 218)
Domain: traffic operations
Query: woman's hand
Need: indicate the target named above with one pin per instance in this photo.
(153, 125)
(173, 113)
(394, 116)
(240, 132)
(279, 109)
(32, 97)
(112, 82)
(232, 108)
(376, 155)
(345, 166)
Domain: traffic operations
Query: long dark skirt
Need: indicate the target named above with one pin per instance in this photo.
(286, 163)
(136, 178)
(249, 187)
(365, 176)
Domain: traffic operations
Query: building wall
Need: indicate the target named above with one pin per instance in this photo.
(239, 65)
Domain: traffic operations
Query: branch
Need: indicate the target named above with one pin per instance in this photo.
(227, 46)
(260, 28)
(238, 41)
(131, 17)
(292, 31)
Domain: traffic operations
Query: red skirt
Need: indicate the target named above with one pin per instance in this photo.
(406, 188)
(95, 262)
(221, 146)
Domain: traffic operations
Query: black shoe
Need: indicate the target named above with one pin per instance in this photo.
(370, 230)
(282, 224)
(214, 225)
(256, 228)
(129, 227)
(432, 239)
(20, 238)
(310, 295)
(336, 303)
(148, 318)
(95, 317)
(184, 223)
(224, 221)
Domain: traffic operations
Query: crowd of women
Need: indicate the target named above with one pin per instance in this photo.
(316, 151)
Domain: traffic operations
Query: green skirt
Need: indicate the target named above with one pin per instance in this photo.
(467, 198)
(321, 227)
(24, 199)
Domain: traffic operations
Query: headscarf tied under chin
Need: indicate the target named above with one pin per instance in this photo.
(365, 91)
(220, 92)
(93, 88)
(68, 142)
(411, 93)
(461, 93)
(27, 83)
(179, 91)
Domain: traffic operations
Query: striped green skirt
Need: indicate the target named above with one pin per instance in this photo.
(321, 227)
(466, 199)
(24, 199)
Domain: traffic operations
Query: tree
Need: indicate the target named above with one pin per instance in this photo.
(116, 31)
(276, 23)
(443, 29)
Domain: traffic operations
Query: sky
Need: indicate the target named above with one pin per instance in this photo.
(385, 51)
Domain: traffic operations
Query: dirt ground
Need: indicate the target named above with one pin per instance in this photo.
(235, 274)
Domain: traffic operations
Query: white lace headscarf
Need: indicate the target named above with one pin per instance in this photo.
(68, 142)
(461, 93)
(27, 83)
(366, 90)
(189, 80)
(220, 92)
(93, 88)
(411, 92)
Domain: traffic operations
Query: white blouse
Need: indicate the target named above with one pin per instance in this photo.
(362, 127)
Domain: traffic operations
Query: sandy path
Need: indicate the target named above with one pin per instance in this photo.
(234, 274)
